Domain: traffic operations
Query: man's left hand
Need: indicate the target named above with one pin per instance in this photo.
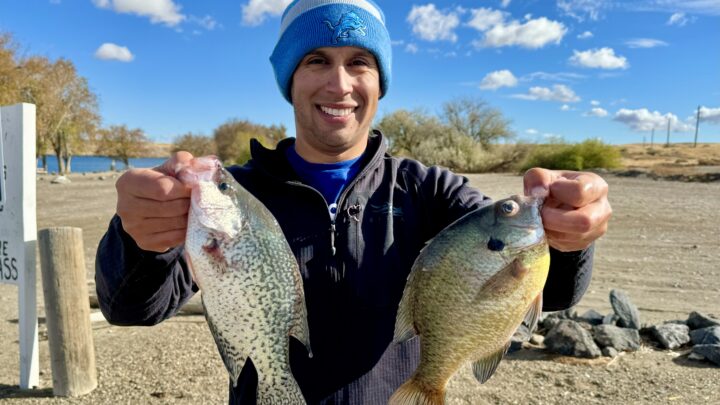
(576, 209)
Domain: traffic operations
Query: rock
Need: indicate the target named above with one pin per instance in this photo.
(550, 322)
(621, 339)
(671, 335)
(698, 320)
(710, 352)
(706, 336)
(522, 334)
(624, 309)
(610, 319)
(571, 339)
(609, 352)
(537, 339)
(101, 177)
(60, 180)
(591, 317)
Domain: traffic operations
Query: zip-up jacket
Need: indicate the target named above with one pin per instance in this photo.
(353, 268)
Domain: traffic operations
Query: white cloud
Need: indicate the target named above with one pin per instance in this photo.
(255, 11)
(559, 92)
(603, 58)
(644, 120)
(206, 22)
(499, 78)
(504, 3)
(594, 103)
(710, 114)
(484, 18)
(411, 48)
(532, 34)
(585, 35)
(565, 107)
(110, 51)
(678, 19)
(645, 43)
(159, 11)
(597, 112)
(582, 9)
(531, 131)
(553, 77)
(432, 25)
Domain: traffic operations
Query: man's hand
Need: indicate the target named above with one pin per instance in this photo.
(153, 205)
(576, 209)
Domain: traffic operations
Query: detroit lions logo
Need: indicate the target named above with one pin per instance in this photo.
(349, 22)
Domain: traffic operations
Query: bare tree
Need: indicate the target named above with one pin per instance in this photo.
(474, 118)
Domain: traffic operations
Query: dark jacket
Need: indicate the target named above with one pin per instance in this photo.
(354, 269)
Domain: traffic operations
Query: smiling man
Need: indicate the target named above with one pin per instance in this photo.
(355, 217)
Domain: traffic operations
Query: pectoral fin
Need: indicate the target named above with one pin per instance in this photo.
(533, 313)
(484, 368)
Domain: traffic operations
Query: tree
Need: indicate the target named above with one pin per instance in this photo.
(232, 139)
(407, 130)
(121, 143)
(198, 145)
(474, 118)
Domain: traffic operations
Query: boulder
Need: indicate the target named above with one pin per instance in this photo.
(624, 309)
(671, 335)
(698, 320)
(706, 336)
(60, 180)
(571, 339)
(609, 352)
(621, 339)
(591, 317)
(610, 319)
(709, 352)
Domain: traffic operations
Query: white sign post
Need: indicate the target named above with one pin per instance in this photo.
(18, 227)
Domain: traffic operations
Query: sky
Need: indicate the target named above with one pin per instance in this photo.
(557, 69)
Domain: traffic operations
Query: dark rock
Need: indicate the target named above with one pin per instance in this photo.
(591, 317)
(571, 339)
(671, 335)
(706, 336)
(698, 320)
(550, 322)
(621, 339)
(522, 334)
(710, 352)
(610, 319)
(609, 352)
(624, 309)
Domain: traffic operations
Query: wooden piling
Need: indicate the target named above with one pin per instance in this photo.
(67, 311)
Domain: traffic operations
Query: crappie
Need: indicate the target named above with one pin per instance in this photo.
(469, 289)
(251, 287)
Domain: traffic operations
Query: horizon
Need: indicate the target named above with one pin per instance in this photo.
(610, 70)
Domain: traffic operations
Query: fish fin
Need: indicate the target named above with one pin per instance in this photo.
(504, 280)
(232, 357)
(484, 368)
(280, 387)
(404, 323)
(412, 393)
(299, 327)
(533, 313)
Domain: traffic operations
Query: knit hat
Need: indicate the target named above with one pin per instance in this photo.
(310, 24)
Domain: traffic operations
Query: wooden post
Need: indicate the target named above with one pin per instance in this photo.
(67, 310)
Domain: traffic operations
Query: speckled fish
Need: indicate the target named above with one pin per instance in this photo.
(251, 287)
(468, 291)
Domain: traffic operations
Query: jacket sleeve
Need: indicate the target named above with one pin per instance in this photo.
(452, 196)
(137, 287)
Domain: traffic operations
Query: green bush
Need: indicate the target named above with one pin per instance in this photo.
(590, 154)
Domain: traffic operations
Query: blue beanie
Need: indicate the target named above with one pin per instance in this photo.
(310, 24)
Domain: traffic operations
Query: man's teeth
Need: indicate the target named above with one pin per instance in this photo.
(337, 112)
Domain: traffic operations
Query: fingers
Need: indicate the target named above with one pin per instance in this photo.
(578, 189)
(151, 184)
(176, 161)
(579, 220)
(163, 241)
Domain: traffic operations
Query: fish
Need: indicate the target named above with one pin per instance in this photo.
(468, 291)
(250, 283)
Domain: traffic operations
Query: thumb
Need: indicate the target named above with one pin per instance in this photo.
(536, 182)
(177, 160)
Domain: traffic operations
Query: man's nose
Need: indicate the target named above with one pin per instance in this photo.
(339, 81)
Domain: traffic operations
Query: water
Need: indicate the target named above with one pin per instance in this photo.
(88, 164)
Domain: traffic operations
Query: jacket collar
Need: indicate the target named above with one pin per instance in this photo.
(274, 161)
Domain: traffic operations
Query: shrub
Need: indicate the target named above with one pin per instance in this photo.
(590, 154)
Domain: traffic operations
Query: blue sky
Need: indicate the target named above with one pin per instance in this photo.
(575, 69)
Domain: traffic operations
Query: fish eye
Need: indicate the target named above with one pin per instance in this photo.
(510, 208)
(224, 186)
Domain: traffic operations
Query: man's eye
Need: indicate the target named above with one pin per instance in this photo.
(315, 61)
(360, 62)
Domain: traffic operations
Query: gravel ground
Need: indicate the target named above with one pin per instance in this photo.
(663, 248)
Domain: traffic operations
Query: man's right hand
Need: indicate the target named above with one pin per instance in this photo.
(153, 205)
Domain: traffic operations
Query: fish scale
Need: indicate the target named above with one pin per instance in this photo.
(251, 286)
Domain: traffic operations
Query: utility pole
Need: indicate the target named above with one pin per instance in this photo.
(652, 137)
(667, 143)
(697, 125)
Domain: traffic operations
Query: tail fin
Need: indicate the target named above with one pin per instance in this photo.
(412, 393)
(280, 388)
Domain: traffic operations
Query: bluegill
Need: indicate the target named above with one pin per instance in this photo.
(251, 287)
(468, 291)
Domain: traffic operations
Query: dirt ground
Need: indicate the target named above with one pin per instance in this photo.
(663, 247)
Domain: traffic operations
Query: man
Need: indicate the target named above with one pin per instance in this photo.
(354, 216)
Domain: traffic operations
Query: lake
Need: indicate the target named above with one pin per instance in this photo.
(89, 164)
